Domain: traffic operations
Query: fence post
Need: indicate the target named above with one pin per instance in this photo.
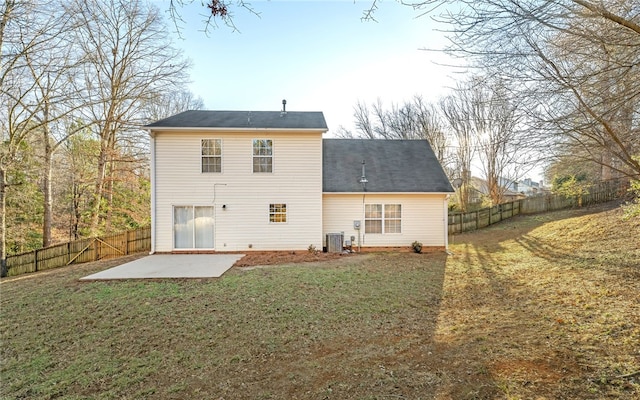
(126, 243)
(35, 260)
(520, 206)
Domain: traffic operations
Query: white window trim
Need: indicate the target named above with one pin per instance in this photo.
(365, 219)
(286, 214)
(173, 224)
(202, 156)
(382, 219)
(253, 156)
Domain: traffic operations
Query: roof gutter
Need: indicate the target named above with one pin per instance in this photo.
(393, 193)
(218, 129)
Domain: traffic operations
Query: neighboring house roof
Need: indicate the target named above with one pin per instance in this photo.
(481, 187)
(390, 166)
(204, 119)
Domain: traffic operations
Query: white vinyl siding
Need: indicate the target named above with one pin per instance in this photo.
(423, 218)
(244, 221)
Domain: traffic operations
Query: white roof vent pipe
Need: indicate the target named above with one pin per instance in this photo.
(284, 108)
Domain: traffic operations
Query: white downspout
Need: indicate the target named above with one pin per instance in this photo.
(153, 191)
(446, 223)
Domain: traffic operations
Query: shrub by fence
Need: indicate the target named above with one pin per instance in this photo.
(80, 251)
(600, 193)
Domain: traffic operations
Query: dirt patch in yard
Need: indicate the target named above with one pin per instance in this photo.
(257, 258)
(260, 258)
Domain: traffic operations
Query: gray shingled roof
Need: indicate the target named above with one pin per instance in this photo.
(244, 119)
(390, 166)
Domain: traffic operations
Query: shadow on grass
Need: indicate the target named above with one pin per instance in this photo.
(484, 323)
(538, 317)
(510, 337)
(520, 225)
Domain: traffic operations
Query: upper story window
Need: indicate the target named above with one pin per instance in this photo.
(262, 155)
(379, 218)
(211, 150)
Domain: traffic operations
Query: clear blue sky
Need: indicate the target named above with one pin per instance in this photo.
(318, 55)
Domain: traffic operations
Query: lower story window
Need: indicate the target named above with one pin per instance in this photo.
(277, 212)
(379, 218)
(193, 227)
(392, 218)
(373, 218)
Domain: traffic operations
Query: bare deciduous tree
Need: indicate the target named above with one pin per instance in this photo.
(129, 62)
(171, 103)
(487, 127)
(80, 66)
(213, 11)
(574, 63)
(430, 125)
(78, 157)
(502, 150)
(55, 100)
(364, 125)
(458, 115)
(414, 119)
(29, 79)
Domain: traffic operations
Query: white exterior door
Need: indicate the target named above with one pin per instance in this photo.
(193, 227)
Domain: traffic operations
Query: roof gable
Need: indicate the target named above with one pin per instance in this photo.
(205, 119)
(390, 165)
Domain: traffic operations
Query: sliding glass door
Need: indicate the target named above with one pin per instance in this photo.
(193, 227)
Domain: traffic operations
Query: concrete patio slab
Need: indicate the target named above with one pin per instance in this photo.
(170, 266)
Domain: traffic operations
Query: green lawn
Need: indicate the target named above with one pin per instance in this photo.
(544, 306)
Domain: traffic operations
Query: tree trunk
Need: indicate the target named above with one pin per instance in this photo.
(47, 187)
(99, 190)
(465, 192)
(109, 185)
(48, 198)
(605, 165)
(3, 224)
(76, 214)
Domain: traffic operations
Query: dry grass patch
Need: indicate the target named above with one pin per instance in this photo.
(548, 306)
(542, 307)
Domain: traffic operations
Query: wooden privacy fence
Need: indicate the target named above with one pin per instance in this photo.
(600, 193)
(138, 240)
(80, 251)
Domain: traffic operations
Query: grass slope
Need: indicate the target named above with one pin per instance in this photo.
(544, 306)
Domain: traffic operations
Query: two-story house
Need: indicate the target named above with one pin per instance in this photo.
(247, 180)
